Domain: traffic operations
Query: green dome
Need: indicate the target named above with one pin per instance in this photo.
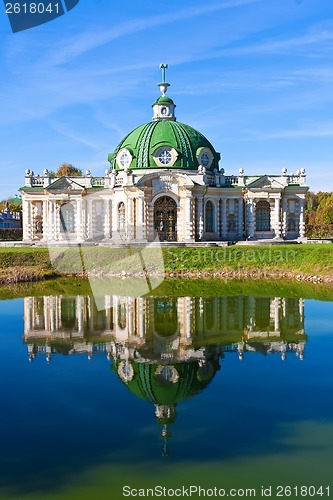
(146, 140)
(163, 100)
(148, 384)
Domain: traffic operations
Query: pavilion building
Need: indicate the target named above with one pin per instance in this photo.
(164, 180)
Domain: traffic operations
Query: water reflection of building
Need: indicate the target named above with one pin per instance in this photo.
(163, 328)
(165, 349)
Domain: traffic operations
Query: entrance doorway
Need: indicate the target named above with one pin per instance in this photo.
(165, 218)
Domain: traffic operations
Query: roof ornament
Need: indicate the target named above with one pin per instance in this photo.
(163, 85)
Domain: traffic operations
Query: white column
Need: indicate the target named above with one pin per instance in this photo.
(140, 219)
(188, 218)
(89, 219)
(250, 218)
(200, 215)
(114, 219)
(301, 218)
(45, 221)
(79, 228)
(32, 220)
(224, 219)
(240, 220)
(107, 219)
(284, 217)
(26, 215)
(50, 220)
(277, 218)
(130, 220)
(57, 232)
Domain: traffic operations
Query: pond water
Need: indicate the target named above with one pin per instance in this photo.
(232, 393)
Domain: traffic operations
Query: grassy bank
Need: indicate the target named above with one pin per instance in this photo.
(203, 287)
(292, 262)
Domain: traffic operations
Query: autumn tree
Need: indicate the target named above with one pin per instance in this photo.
(68, 170)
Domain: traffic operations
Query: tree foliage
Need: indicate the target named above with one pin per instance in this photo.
(68, 170)
(319, 214)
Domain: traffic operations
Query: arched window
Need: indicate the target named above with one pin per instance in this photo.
(121, 216)
(209, 217)
(67, 224)
(263, 216)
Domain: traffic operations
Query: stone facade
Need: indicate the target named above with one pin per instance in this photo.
(135, 207)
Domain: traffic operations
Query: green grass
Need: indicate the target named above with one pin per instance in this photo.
(278, 261)
(176, 287)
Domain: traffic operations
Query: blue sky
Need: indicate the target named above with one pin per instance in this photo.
(254, 76)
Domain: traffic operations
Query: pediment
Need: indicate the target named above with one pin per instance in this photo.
(265, 182)
(64, 184)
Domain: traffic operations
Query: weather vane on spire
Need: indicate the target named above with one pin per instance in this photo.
(163, 85)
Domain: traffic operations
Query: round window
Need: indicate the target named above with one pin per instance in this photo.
(204, 159)
(164, 110)
(165, 157)
(124, 159)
